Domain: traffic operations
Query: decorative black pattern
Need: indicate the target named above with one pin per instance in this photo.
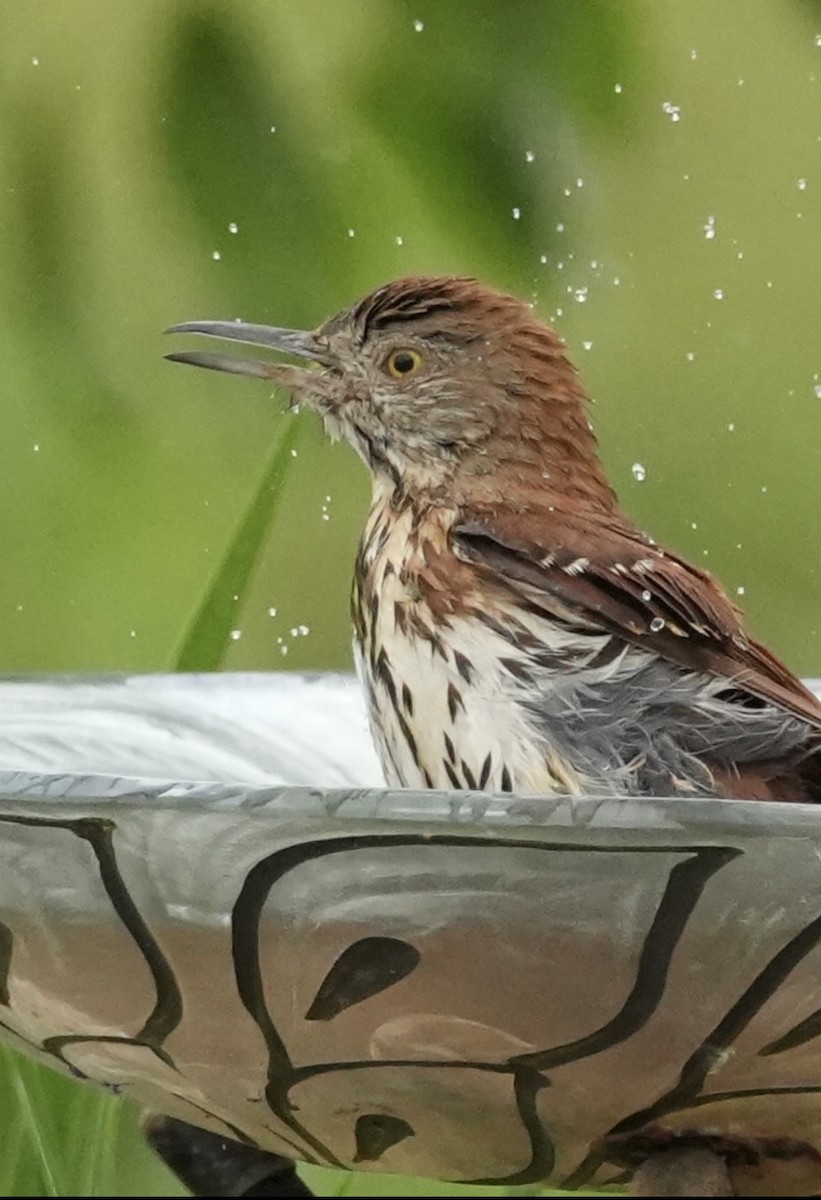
(684, 887)
(6, 946)
(450, 1051)
(680, 897)
(363, 970)
(167, 1011)
(375, 1133)
(803, 1032)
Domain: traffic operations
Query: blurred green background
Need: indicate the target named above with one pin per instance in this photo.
(647, 171)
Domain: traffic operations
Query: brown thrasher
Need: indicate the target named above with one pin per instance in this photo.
(515, 631)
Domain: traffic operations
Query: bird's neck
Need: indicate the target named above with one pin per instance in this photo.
(550, 476)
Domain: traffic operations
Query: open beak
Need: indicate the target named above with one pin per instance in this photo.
(287, 341)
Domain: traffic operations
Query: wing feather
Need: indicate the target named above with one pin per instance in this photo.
(610, 575)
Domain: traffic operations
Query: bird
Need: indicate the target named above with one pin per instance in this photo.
(514, 630)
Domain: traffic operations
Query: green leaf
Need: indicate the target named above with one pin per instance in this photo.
(204, 644)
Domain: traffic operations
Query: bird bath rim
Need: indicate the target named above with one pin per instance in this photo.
(575, 816)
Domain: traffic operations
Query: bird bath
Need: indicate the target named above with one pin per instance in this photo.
(207, 902)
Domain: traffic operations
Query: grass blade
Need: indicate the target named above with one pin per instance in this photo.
(203, 646)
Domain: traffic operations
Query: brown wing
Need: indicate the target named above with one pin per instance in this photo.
(607, 573)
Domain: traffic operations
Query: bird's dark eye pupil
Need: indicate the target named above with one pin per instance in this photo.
(403, 363)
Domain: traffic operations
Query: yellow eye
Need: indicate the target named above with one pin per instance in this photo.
(403, 362)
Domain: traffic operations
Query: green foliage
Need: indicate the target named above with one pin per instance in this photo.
(206, 640)
(63, 1138)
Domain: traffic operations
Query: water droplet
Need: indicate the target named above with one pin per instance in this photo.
(580, 294)
(517, 212)
(740, 591)
(673, 111)
(618, 89)
(236, 634)
(718, 293)
(657, 624)
(215, 254)
(530, 156)
(233, 227)
(419, 26)
(802, 185)
(710, 228)
(639, 471)
(646, 596)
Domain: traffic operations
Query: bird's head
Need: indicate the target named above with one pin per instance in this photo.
(438, 383)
